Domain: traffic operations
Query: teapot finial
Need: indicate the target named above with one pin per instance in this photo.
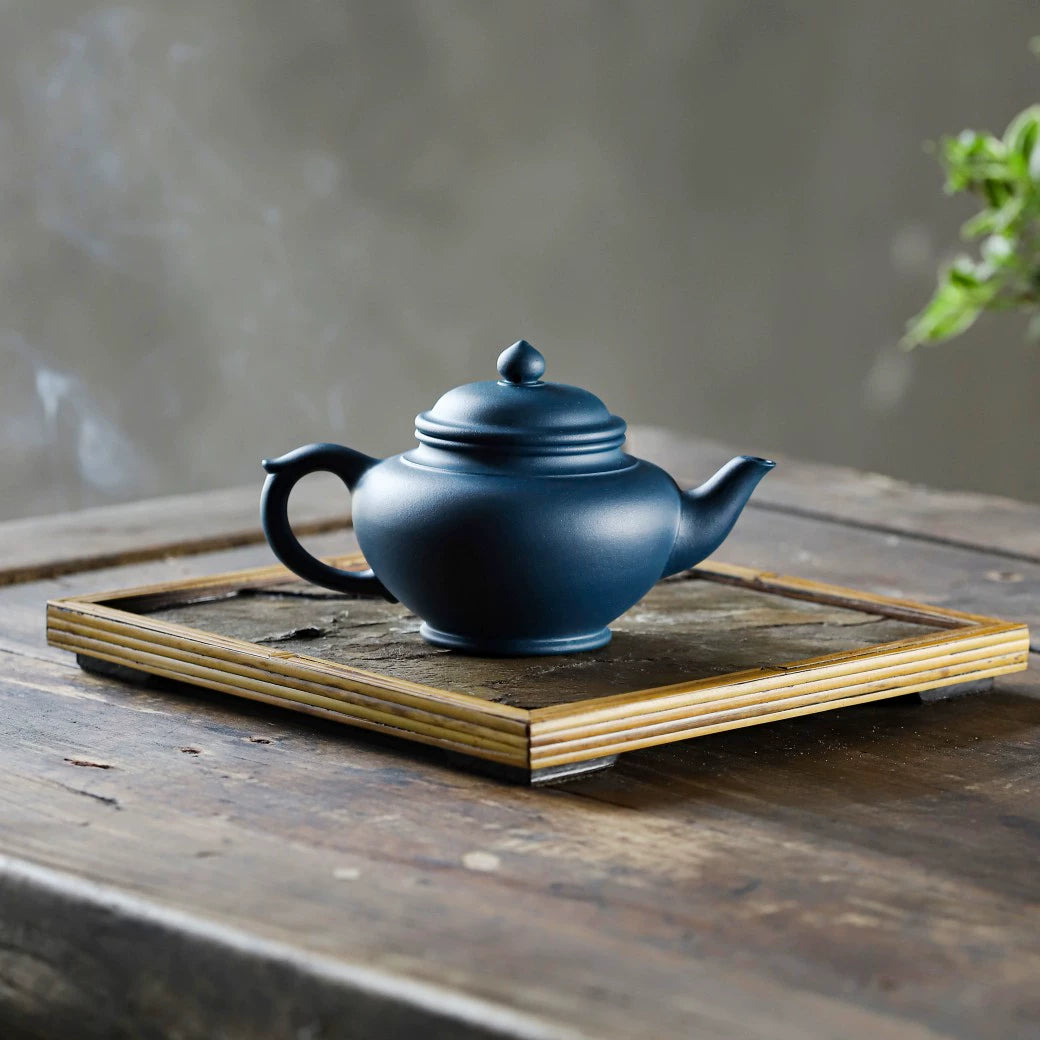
(521, 364)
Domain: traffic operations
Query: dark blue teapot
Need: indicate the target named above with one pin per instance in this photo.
(518, 526)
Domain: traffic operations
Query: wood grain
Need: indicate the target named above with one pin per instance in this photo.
(40, 547)
(856, 499)
(865, 873)
(719, 648)
(175, 863)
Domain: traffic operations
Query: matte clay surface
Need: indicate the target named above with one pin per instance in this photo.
(685, 629)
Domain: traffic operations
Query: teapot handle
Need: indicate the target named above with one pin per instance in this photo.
(283, 473)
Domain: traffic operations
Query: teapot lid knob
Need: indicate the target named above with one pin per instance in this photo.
(521, 364)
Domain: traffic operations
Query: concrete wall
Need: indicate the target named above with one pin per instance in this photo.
(227, 228)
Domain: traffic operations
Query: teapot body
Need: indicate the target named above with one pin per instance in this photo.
(518, 525)
(516, 563)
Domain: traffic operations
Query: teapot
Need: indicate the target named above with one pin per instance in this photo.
(518, 526)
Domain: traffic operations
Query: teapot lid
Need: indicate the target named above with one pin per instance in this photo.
(519, 414)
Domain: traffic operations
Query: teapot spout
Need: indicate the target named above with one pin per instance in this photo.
(710, 511)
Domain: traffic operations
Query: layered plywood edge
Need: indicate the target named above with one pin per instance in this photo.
(536, 744)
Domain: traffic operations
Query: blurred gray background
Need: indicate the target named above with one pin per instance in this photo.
(230, 228)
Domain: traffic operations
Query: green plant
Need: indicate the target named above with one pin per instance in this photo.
(1004, 172)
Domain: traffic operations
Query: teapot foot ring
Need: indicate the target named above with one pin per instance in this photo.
(481, 647)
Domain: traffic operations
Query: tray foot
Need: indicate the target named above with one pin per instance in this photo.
(529, 777)
(571, 771)
(111, 670)
(942, 693)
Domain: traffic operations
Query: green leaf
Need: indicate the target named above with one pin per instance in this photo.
(949, 313)
(972, 160)
(962, 274)
(990, 221)
(1021, 135)
(1004, 173)
(998, 250)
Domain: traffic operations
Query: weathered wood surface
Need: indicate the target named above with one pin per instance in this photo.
(870, 873)
(22, 627)
(872, 500)
(683, 630)
(40, 547)
(866, 873)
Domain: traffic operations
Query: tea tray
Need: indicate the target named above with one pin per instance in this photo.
(715, 648)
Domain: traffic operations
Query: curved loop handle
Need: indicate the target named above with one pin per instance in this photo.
(283, 473)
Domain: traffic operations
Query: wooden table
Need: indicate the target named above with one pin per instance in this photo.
(174, 864)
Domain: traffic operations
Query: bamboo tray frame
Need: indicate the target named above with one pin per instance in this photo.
(538, 744)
